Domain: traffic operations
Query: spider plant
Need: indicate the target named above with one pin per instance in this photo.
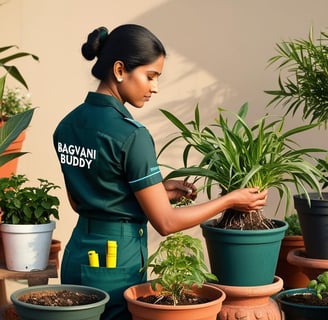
(238, 155)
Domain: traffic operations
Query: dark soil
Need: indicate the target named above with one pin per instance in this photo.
(307, 299)
(59, 298)
(237, 220)
(186, 299)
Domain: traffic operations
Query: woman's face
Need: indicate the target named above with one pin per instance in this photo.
(138, 85)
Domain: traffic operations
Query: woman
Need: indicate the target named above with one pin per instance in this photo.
(111, 174)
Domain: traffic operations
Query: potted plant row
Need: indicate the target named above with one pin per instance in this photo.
(303, 89)
(180, 288)
(240, 155)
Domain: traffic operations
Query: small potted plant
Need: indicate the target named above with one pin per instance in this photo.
(310, 302)
(27, 211)
(240, 155)
(178, 290)
(303, 89)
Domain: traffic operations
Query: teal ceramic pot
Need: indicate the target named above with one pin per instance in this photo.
(295, 311)
(314, 224)
(27, 311)
(243, 257)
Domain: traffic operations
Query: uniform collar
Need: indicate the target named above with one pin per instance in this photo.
(105, 100)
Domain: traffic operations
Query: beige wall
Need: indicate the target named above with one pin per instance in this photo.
(217, 56)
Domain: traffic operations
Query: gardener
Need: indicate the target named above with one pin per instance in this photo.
(111, 174)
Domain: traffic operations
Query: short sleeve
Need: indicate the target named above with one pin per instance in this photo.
(140, 163)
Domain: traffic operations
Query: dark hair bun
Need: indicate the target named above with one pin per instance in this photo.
(92, 47)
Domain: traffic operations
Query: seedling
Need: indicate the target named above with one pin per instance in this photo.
(178, 264)
(320, 285)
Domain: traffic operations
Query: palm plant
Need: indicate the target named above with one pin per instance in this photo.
(239, 155)
(303, 82)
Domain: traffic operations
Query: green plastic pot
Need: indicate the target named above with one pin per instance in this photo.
(314, 224)
(27, 311)
(295, 311)
(243, 257)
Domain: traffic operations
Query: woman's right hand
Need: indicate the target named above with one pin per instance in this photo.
(247, 199)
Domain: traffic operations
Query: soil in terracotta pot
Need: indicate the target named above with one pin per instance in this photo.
(307, 299)
(59, 298)
(237, 220)
(185, 299)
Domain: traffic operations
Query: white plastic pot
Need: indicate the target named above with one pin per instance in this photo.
(27, 247)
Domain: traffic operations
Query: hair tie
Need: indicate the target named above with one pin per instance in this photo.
(103, 32)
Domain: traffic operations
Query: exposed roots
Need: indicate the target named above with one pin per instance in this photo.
(254, 220)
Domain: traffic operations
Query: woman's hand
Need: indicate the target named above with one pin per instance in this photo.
(176, 189)
(248, 199)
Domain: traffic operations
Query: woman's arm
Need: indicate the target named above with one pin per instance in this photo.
(167, 219)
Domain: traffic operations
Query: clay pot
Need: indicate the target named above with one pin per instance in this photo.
(311, 267)
(251, 303)
(292, 275)
(146, 311)
(11, 166)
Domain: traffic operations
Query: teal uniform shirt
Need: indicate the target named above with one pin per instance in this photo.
(105, 156)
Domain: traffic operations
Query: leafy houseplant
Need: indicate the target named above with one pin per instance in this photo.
(179, 291)
(238, 155)
(178, 264)
(303, 75)
(26, 213)
(25, 204)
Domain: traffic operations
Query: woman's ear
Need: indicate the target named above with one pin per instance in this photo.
(118, 70)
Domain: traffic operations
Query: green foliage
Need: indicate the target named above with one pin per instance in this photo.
(320, 285)
(294, 228)
(10, 130)
(27, 205)
(238, 155)
(305, 81)
(178, 264)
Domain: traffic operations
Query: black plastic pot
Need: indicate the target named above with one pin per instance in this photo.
(297, 311)
(314, 224)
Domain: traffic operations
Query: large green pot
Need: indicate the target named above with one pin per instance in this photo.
(27, 311)
(243, 257)
(295, 311)
(314, 224)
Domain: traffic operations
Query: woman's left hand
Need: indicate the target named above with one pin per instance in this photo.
(176, 189)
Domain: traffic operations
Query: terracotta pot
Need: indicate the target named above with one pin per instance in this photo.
(251, 303)
(11, 166)
(292, 275)
(147, 311)
(311, 267)
(54, 251)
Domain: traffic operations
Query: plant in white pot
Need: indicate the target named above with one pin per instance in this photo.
(238, 155)
(303, 89)
(27, 227)
(180, 289)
